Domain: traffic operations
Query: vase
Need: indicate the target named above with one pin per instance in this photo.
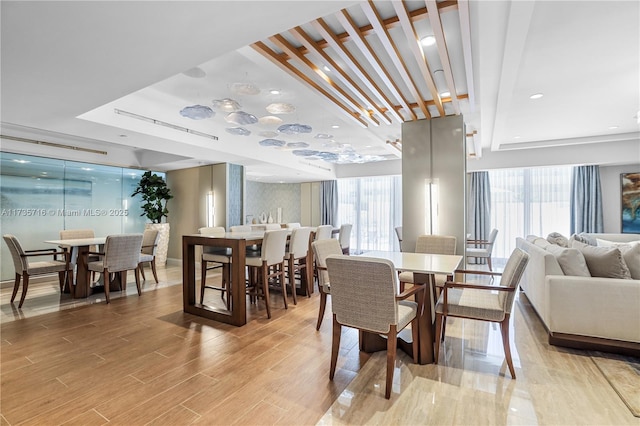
(263, 217)
(163, 241)
(270, 220)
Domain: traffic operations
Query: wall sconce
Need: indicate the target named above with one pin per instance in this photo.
(431, 201)
(210, 209)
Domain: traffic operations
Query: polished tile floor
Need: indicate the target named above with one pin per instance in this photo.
(470, 386)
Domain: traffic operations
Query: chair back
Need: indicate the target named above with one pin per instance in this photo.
(274, 246)
(293, 225)
(491, 240)
(122, 252)
(72, 234)
(323, 232)
(436, 244)
(511, 275)
(20, 263)
(321, 250)
(149, 241)
(363, 292)
(299, 242)
(240, 228)
(272, 226)
(345, 235)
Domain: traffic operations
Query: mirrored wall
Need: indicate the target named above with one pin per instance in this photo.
(41, 196)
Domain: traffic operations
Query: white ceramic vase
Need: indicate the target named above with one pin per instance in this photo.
(163, 241)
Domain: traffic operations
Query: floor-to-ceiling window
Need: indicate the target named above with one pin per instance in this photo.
(528, 201)
(41, 196)
(373, 205)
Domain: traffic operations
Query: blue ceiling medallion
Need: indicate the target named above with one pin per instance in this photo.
(241, 118)
(197, 112)
(240, 131)
(304, 152)
(329, 157)
(272, 142)
(297, 145)
(294, 129)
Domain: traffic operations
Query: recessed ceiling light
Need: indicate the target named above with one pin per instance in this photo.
(428, 40)
(335, 126)
(516, 137)
(122, 136)
(445, 94)
(274, 92)
(613, 127)
(536, 96)
(326, 68)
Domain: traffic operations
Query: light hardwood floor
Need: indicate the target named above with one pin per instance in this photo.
(141, 360)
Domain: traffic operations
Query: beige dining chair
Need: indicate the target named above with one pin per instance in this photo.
(364, 296)
(73, 234)
(148, 252)
(121, 254)
(270, 264)
(482, 249)
(482, 302)
(321, 250)
(296, 257)
(345, 237)
(220, 257)
(432, 244)
(323, 232)
(272, 226)
(293, 225)
(25, 268)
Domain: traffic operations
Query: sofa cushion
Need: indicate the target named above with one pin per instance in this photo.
(630, 254)
(541, 242)
(581, 238)
(571, 260)
(605, 262)
(558, 239)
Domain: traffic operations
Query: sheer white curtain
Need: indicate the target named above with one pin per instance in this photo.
(373, 205)
(529, 201)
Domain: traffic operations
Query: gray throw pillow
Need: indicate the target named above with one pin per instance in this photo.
(605, 262)
(558, 239)
(571, 260)
(630, 254)
(581, 239)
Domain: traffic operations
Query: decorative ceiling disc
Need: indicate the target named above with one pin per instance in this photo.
(197, 112)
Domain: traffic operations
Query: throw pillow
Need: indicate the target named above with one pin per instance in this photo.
(630, 254)
(558, 239)
(571, 260)
(605, 262)
(581, 239)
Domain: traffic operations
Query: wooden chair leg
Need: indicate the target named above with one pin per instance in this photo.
(153, 269)
(25, 287)
(415, 337)
(137, 276)
(107, 279)
(72, 288)
(62, 276)
(203, 279)
(489, 263)
(439, 335)
(141, 269)
(265, 287)
(280, 276)
(292, 279)
(335, 346)
(504, 328)
(16, 285)
(323, 305)
(392, 343)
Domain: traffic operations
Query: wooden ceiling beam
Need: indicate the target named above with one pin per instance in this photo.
(290, 50)
(322, 56)
(416, 49)
(321, 26)
(265, 51)
(393, 53)
(361, 43)
(443, 52)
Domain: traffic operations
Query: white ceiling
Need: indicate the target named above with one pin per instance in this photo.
(67, 65)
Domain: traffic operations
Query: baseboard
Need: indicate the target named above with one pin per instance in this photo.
(595, 343)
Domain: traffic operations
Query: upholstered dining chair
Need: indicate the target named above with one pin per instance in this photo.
(432, 244)
(272, 226)
(323, 232)
(121, 254)
(321, 250)
(72, 234)
(220, 257)
(482, 249)
(482, 302)
(364, 296)
(293, 225)
(25, 268)
(148, 252)
(345, 237)
(296, 257)
(270, 264)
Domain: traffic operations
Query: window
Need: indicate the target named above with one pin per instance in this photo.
(528, 201)
(373, 206)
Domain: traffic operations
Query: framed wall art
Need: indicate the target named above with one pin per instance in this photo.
(630, 208)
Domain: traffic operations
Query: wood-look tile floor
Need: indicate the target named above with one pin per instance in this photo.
(141, 360)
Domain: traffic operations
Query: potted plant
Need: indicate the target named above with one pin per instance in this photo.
(155, 194)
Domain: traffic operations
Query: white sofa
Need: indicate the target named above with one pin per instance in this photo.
(582, 311)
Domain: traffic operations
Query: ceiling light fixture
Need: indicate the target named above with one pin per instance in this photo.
(197, 112)
(280, 108)
(270, 119)
(335, 126)
(428, 40)
(326, 68)
(274, 92)
(225, 105)
(445, 94)
(613, 127)
(536, 96)
(245, 88)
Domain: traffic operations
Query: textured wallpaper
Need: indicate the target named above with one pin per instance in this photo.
(267, 197)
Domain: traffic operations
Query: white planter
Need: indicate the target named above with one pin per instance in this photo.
(163, 241)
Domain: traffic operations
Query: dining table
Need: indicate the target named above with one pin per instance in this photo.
(80, 248)
(423, 266)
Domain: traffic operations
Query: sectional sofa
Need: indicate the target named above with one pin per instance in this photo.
(577, 309)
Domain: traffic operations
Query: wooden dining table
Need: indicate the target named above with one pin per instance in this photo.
(423, 265)
(80, 248)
